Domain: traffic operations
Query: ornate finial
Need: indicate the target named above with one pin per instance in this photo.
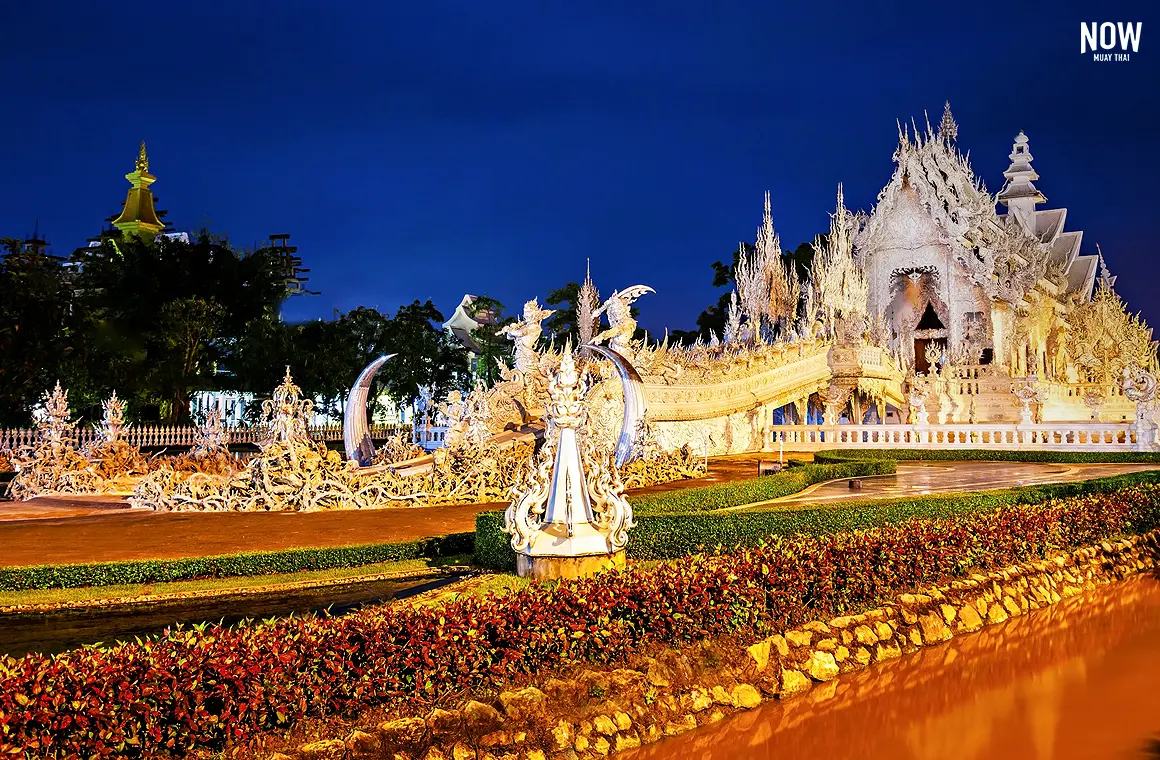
(566, 409)
(286, 415)
(1107, 280)
(142, 159)
(948, 130)
(113, 421)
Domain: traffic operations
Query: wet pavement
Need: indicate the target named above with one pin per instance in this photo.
(1076, 681)
(920, 478)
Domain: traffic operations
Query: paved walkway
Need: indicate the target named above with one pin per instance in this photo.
(920, 478)
(105, 529)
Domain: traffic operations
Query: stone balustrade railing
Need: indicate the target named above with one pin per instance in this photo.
(151, 436)
(1059, 436)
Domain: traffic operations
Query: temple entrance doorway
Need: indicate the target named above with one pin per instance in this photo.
(929, 330)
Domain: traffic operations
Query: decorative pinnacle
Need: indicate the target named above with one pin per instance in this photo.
(947, 128)
(142, 159)
(567, 407)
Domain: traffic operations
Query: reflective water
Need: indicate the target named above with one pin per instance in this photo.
(1079, 680)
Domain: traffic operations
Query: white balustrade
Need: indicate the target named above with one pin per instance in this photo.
(1055, 436)
(151, 436)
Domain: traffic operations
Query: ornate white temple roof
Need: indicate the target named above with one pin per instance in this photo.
(930, 168)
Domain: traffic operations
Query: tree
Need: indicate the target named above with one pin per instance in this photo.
(139, 295)
(183, 337)
(564, 324)
(494, 348)
(425, 355)
(41, 332)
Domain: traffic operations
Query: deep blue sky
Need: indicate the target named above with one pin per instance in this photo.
(427, 149)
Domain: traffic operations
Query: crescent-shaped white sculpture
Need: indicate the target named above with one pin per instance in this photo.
(356, 431)
(634, 404)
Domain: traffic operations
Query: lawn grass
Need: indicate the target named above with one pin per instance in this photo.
(129, 592)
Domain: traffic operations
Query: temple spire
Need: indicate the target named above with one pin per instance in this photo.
(948, 130)
(1019, 193)
(1107, 279)
(139, 217)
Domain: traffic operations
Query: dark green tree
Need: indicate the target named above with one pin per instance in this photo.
(492, 346)
(42, 333)
(563, 325)
(425, 355)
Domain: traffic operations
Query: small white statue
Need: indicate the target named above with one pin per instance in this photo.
(526, 333)
(621, 325)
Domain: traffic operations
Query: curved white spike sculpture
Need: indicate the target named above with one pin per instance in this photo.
(356, 431)
(634, 404)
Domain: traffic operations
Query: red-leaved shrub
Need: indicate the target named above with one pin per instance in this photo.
(212, 687)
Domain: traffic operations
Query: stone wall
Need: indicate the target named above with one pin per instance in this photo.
(595, 713)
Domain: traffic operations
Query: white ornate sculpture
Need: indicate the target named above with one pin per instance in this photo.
(526, 334)
(285, 416)
(212, 436)
(53, 426)
(112, 422)
(916, 394)
(1141, 387)
(570, 517)
(1027, 392)
(621, 325)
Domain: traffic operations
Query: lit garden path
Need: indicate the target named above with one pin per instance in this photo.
(104, 529)
(920, 478)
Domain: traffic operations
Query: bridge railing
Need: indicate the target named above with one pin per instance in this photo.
(178, 436)
(1059, 436)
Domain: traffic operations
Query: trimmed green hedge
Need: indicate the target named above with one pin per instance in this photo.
(229, 565)
(986, 455)
(659, 535)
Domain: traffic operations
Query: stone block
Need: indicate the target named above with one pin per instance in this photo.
(996, 614)
(563, 735)
(362, 743)
(883, 631)
(933, 627)
(326, 749)
(604, 725)
(826, 645)
(865, 636)
(969, 619)
(822, 666)
(799, 638)
(526, 704)
(445, 722)
(745, 696)
(481, 718)
(402, 734)
(759, 654)
(794, 682)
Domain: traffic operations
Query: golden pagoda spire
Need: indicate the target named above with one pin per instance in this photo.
(143, 159)
(138, 217)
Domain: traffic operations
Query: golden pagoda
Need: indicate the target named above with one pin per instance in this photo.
(138, 217)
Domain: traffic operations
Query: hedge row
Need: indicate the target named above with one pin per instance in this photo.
(220, 686)
(229, 565)
(834, 456)
(665, 536)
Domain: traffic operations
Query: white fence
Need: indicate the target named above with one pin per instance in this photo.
(1058, 436)
(146, 436)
